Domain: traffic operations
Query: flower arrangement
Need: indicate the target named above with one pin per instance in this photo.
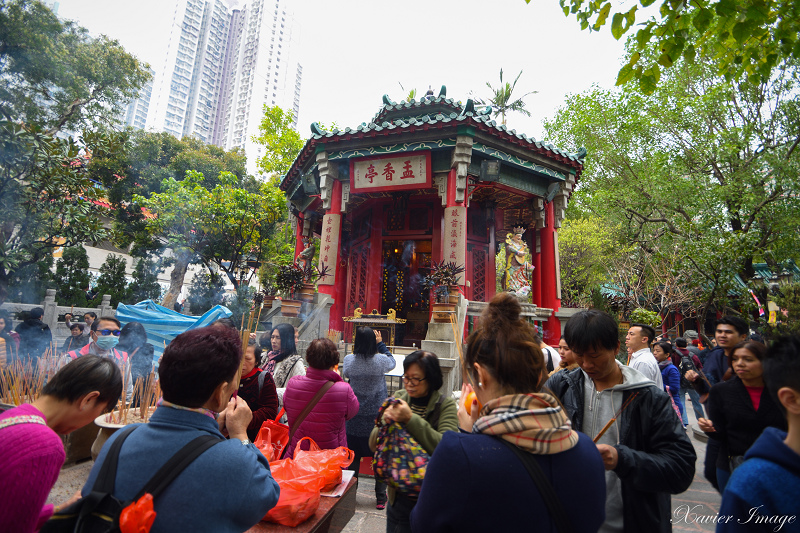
(442, 276)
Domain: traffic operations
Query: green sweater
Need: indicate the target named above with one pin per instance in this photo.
(419, 427)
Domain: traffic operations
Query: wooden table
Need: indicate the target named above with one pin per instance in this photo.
(332, 516)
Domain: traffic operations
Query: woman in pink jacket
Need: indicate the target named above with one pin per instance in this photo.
(326, 421)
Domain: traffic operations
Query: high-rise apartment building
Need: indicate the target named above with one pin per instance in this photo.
(224, 62)
(135, 115)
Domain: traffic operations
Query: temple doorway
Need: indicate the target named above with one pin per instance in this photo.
(404, 264)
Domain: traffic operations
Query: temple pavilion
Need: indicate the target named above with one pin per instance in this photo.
(428, 180)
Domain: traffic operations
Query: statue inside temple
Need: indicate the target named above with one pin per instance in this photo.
(517, 276)
(305, 257)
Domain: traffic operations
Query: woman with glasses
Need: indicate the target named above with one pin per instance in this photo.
(366, 369)
(426, 413)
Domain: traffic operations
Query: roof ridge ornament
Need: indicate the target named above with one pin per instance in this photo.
(387, 100)
(316, 129)
(443, 92)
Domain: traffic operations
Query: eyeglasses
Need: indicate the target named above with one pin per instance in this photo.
(105, 332)
(412, 381)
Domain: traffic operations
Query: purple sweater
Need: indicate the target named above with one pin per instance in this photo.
(31, 456)
(325, 423)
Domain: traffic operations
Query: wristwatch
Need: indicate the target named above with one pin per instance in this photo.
(245, 442)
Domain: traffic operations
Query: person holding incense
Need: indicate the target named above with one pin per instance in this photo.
(511, 426)
(282, 361)
(646, 452)
(257, 388)
(229, 488)
(31, 451)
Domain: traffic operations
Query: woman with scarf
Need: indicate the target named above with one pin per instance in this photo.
(282, 361)
(511, 421)
(670, 374)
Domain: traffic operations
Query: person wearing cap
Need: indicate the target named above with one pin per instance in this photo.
(34, 336)
(76, 340)
(693, 341)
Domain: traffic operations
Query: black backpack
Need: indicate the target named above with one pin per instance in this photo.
(98, 512)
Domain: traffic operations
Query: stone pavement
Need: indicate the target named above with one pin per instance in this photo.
(701, 498)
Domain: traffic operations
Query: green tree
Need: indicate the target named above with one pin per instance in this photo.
(58, 76)
(46, 199)
(29, 284)
(787, 296)
(280, 140)
(240, 303)
(72, 277)
(701, 173)
(227, 227)
(207, 290)
(503, 101)
(145, 285)
(586, 247)
(747, 37)
(112, 281)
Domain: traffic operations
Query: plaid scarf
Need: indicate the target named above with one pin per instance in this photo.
(535, 423)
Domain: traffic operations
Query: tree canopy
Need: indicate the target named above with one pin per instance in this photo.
(58, 76)
(744, 37)
(704, 166)
(281, 142)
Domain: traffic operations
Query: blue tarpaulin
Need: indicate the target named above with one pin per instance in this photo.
(162, 324)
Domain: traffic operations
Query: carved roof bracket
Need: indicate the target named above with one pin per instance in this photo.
(462, 156)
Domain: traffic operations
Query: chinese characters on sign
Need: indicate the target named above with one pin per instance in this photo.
(455, 227)
(403, 171)
(329, 247)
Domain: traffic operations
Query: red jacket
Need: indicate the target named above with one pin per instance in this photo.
(326, 421)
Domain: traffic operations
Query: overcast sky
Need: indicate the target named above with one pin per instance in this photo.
(354, 51)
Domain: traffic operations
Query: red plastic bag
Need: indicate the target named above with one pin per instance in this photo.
(329, 463)
(272, 438)
(300, 489)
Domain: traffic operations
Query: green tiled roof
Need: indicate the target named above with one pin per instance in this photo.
(424, 114)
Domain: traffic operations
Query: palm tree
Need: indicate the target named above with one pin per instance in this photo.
(502, 102)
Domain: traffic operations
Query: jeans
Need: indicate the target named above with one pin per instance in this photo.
(360, 447)
(398, 515)
(696, 405)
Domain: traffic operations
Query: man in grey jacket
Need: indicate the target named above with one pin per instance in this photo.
(646, 453)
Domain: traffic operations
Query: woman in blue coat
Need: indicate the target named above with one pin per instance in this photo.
(670, 374)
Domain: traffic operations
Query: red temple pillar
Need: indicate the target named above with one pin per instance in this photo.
(536, 275)
(298, 234)
(552, 328)
(330, 247)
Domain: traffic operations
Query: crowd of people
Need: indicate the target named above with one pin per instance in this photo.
(534, 424)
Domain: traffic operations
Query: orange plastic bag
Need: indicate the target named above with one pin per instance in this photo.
(300, 489)
(272, 438)
(329, 463)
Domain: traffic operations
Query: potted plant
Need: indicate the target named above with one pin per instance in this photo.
(288, 280)
(443, 280)
(311, 275)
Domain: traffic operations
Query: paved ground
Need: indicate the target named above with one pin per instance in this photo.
(700, 499)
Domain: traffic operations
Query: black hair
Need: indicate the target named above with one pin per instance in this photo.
(504, 345)
(256, 350)
(590, 330)
(87, 374)
(365, 343)
(132, 336)
(781, 366)
(680, 342)
(738, 324)
(76, 325)
(224, 322)
(647, 331)
(429, 363)
(756, 348)
(322, 354)
(666, 347)
(288, 347)
(7, 317)
(196, 362)
(91, 314)
(96, 323)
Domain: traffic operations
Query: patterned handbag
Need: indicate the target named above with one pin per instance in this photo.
(399, 459)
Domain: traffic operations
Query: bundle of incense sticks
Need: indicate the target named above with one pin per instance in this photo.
(625, 404)
(457, 338)
(334, 336)
(22, 382)
(245, 336)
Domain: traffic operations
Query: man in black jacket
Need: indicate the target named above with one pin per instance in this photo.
(646, 452)
(34, 336)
